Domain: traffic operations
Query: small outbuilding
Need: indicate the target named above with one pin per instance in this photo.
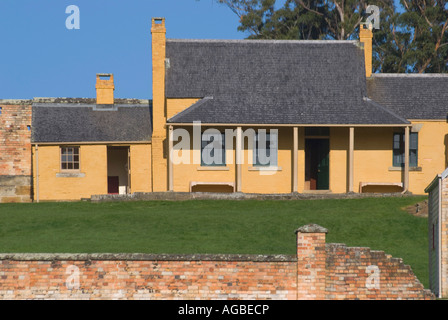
(437, 234)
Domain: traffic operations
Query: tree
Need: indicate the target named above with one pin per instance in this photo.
(414, 39)
(427, 21)
(301, 19)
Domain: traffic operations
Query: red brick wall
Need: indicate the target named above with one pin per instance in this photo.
(318, 271)
(223, 278)
(15, 151)
(359, 273)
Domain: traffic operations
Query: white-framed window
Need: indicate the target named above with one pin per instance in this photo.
(69, 158)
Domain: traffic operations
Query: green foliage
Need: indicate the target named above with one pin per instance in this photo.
(412, 37)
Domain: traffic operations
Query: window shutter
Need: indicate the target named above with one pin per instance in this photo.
(274, 148)
(262, 149)
(413, 152)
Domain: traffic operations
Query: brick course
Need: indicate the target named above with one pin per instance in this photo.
(15, 151)
(319, 271)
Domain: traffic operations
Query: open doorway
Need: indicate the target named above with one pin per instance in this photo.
(317, 169)
(118, 170)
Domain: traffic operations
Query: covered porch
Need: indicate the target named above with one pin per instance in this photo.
(309, 159)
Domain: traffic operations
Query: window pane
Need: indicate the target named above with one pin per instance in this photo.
(413, 160)
(69, 158)
(413, 141)
(398, 149)
(213, 150)
(397, 162)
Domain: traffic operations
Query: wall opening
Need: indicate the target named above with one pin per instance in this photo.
(317, 168)
(118, 170)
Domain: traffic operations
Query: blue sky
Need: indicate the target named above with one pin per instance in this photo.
(40, 57)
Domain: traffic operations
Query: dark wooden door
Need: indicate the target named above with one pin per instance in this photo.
(318, 168)
(112, 185)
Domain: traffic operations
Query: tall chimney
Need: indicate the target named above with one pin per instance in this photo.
(159, 131)
(365, 37)
(158, 32)
(105, 88)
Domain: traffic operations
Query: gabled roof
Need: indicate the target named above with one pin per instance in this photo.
(82, 120)
(272, 82)
(413, 96)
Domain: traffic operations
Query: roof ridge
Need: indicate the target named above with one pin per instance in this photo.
(410, 75)
(264, 41)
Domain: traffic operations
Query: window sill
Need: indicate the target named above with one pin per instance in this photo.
(402, 168)
(261, 168)
(70, 175)
(213, 168)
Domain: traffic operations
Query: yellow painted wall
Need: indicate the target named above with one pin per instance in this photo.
(432, 154)
(174, 106)
(141, 168)
(280, 181)
(339, 141)
(373, 157)
(253, 180)
(372, 163)
(192, 171)
(93, 163)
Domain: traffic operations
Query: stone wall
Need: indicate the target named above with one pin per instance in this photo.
(180, 196)
(319, 271)
(15, 151)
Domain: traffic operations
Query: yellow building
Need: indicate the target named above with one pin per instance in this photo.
(250, 116)
(335, 126)
(82, 147)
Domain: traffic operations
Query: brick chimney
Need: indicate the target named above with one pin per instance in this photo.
(365, 37)
(159, 133)
(105, 88)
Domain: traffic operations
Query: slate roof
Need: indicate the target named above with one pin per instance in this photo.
(272, 82)
(81, 120)
(413, 96)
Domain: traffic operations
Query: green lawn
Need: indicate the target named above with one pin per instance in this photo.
(211, 226)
